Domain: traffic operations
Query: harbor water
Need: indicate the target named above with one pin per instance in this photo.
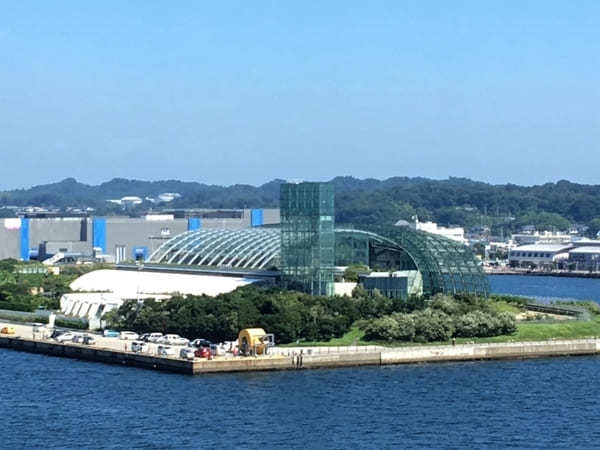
(546, 288)
(50, 402)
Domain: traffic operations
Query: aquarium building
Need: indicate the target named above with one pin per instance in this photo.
(307, 251)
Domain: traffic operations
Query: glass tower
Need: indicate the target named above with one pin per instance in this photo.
(308, 237)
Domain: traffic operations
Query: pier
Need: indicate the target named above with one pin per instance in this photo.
(299, 358)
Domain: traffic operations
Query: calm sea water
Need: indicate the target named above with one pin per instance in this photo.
(546, 288)
(53, 403)
(58, 403)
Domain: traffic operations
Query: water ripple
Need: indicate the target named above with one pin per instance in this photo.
(59, 403)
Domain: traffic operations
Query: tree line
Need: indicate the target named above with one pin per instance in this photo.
(444, 318)
(30, 291)
(457, 201)
(294, 316)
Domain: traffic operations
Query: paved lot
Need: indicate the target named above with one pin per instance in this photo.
(26, 331)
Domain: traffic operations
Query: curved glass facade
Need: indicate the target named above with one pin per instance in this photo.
(251, 248)
(445, 265)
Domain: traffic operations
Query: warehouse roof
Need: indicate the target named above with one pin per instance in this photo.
(130, 284)
(556, 248)
(588, 249)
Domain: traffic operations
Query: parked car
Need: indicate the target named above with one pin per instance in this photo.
(165, 350)
(187, 353)
(218, 350)
(88, 340)
(57, 332)
(110, 333)
(173, 339)
(199, 343)
(65, 337)
(77, 338)
(139, 347)
(203, 352)
(128, 335)
(40, 331)
(8, 330)
(153, 337)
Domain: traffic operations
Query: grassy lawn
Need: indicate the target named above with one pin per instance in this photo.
(526, 331)
(502, 306)
(355, 334)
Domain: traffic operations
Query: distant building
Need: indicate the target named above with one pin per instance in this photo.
(544, 237)
(127, 201)
(398, 284)
(455, 233)
(165, 197)
(540, 255)
(301, 254)
(168, 197)
(114, 238)
(585, 258)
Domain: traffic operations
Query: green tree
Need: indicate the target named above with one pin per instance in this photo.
(352, 271)
(594, 227)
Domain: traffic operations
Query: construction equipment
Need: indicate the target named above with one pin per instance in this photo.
(255, 341)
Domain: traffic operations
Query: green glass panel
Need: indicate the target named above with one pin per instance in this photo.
(307, 236)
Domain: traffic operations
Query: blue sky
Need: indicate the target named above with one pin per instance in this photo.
(250, 91)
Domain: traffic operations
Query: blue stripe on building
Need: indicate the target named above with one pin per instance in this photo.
(24, 239)
(194, 223)
(256, 217)
(99, 234)
(140, 252)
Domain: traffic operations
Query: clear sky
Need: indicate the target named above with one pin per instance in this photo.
(244, 92)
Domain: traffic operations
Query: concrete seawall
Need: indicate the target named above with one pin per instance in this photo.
(312, 360)
(102, 355)
(514, 350)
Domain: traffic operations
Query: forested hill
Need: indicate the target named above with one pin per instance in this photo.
(452, 201)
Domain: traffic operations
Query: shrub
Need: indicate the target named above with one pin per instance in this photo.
(23, 318)
(431, 326)
(480, 324)
(507, 323)
(405, 330)
(476, 324)
(446, 304)
(352, 271)
(14, 306)
(385, 328)
(80, 324)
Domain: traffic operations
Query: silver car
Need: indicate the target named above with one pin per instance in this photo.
(165, 350)
(173, 339)
(65, 337)
(139, 347)
(154, 337)
(187, 353)
(128, 335)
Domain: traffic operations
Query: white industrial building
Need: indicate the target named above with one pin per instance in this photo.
(455, 233)
(538, 255)
(541, 237)
(585, 258)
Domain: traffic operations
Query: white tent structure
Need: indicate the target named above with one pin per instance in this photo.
(100, 291)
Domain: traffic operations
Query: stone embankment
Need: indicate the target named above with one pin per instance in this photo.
(308, 357)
